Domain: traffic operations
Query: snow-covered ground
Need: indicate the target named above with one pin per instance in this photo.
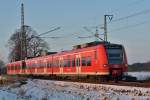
(140, 75)
(58, 90)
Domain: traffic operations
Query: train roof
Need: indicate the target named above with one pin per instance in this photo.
(81, 46)
(95, 43)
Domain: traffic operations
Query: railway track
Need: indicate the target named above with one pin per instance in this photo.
(145, 84)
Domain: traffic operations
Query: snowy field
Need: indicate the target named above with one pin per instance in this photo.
(58, 90)
(140, 75)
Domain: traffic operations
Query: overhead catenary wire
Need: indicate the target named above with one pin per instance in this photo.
(130, 26)
(118, 9)
(57, 37)
(48, 31)
(125, 6)
(132, 15)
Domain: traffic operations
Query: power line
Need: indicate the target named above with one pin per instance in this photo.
(118, 9)
(131, 26)
(133, 15)
(49, 31)
(131, 4)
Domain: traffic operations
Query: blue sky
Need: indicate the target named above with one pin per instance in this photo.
(73, 15)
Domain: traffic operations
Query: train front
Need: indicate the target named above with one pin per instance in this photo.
(117, 61)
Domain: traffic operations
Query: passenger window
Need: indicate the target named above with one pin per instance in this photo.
(73, 62)
(65, 63)
(83, 61)
(88, 61)
(49, 64)
(68, 63)
(55, 63)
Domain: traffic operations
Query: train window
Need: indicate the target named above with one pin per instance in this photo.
(115, 55)
(45, 65)
(49, 64)
(88, 61)
(42, 64)
(68, 63)
(65, 63)
(14, 67)
(17, 67)
(83, 61)
(73, 62)
(33, 65)
(55, 63)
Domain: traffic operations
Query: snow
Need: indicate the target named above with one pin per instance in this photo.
(140, 75)
(59, 90)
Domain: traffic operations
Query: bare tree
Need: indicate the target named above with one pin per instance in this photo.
(35, 45)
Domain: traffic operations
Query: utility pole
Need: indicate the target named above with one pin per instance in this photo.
(105, 25)
(23, 35)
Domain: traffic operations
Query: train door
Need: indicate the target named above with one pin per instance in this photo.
(78, 65)
(61, 65)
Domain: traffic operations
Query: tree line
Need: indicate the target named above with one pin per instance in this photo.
(140, 66)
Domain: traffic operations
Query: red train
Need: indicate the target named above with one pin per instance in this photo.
(90, 59)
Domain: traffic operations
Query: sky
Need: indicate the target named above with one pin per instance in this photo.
(129, 26)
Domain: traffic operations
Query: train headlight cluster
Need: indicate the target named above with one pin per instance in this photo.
(105, 65)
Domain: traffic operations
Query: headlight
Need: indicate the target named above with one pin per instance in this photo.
(105, 65)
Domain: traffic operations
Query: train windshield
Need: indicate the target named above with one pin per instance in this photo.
(114, 54)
